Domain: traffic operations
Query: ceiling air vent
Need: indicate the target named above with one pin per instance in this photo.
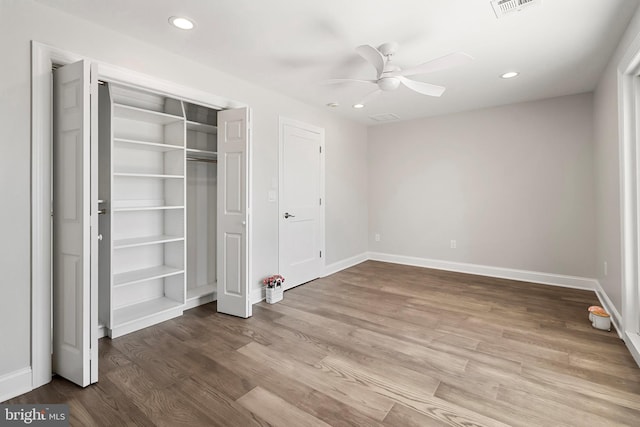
(384, 117)
(505, 7)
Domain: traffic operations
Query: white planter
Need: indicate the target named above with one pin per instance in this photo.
(274, 294)
(600, 321)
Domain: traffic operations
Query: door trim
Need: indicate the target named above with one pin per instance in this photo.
(282, 121)
(43, 57)
(629, 134)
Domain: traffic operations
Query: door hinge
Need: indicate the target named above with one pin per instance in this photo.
(320, 254)
(321, 149)
(320, 201)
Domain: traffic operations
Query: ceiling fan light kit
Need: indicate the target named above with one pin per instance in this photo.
(390, 76)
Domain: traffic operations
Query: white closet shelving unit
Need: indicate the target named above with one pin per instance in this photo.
(201, 154)
(143, 181)
(157, 177)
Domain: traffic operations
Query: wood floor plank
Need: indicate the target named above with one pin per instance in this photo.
(443, 362)
(559, 379)
(217, 404)
(111, 407)
(401, 416)
(324, 380)
(335, 412)
(277, 411)
(552, 408)
(267, 377)
(408, 388)
(374, 345)
(417, 395)
(481, 403)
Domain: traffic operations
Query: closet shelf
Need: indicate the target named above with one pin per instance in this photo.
(136, 276)
(144, 145)
(144, 208)
(134, 113)
(147, 175)
(201, 154)
(201, 127)
(140, 311)
(143, 241)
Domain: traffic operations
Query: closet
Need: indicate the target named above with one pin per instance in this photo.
(149, 214)
(158, 203)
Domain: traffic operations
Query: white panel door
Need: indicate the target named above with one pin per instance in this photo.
(74, 269)
(233, 212)
(300, 243)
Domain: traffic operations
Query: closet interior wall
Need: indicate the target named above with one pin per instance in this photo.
(201, 156)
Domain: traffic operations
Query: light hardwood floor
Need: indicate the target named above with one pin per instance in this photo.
(374, 345)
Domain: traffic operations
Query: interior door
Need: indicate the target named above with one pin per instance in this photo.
(233, 212)
(300, 244)
(74, 223)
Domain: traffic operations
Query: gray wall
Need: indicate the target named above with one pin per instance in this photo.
(24, 20)
(15, 261)
(513, 185)
(607, 170)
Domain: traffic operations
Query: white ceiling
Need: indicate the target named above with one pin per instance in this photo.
(560, 47)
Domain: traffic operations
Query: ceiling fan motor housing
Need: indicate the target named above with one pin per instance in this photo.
(388, 49)
(388, 83)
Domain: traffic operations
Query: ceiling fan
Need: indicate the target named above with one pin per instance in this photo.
(390, 76)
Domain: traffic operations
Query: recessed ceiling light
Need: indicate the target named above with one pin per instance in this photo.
(181, 22)
(358, 105)
(510, 75)
(333, 104)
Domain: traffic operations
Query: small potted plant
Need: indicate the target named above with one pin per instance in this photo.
(274, 288)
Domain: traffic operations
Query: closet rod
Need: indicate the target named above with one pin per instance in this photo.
(195, 159)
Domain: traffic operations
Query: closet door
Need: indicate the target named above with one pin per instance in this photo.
(74, 226)
(233, 212)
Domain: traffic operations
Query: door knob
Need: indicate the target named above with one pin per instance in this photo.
(100, 237)
(288, 215)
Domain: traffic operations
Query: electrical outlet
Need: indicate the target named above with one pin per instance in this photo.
(376, 237)
(606, 269)
(454, 244)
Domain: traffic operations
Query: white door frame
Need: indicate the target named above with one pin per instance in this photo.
(43, 57)
(282, 121)
(629, 137)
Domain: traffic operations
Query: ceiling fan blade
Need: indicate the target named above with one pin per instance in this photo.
(444, 62)
(368, 97)
(373, 56)
(338, 81)
(421, 87)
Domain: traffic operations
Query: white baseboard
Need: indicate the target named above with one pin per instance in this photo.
(258, 295)
(345, 263)
(102, 331)
(483, 270)
(632, 341)
(633, 345)
(196, 302)
(608, 306)
(15, 383)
